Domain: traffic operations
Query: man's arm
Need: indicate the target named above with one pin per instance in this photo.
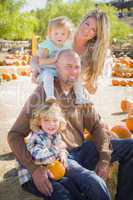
(21, 129)
(92, 121)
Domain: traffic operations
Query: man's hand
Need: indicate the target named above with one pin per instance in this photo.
(102, 169)
(41, 180)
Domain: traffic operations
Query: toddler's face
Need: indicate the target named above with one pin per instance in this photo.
(59, 35)
(50, 126)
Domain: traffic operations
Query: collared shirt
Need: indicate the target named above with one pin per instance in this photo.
(77, 117)
(44, 149)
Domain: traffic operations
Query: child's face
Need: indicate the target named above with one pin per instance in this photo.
(50, 126)
(59, 35)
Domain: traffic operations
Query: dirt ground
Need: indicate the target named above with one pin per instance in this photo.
(13, 94)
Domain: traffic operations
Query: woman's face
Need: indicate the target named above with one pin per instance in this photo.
(88, 29)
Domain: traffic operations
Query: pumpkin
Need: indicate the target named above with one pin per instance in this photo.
(115, 82)
(57, 169)
(126, 105)
(87, 135)
(6, 76)
(122, 131)
(123, 83)
(129, 122)
(14, 76)
(24, 73)
(130, 83)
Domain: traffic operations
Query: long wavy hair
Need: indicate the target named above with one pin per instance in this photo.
(94, 55)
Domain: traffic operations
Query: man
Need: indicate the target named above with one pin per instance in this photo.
(94, 156)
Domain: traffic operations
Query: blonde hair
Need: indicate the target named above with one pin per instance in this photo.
(61, 22)
(50, 109)
(94, 56)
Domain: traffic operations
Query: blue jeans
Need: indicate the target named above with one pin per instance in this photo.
(47, 77)
(87, 156)
(87, 182)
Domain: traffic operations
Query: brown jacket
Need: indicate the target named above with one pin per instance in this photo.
(77, 117)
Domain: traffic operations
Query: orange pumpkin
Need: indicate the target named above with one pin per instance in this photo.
(6, 76)
(122, 131)
(126, 105)
(130, 83)
(14, 76)
(24, 73)
(57, 169)
(123, 83)
(115, 82)
(87, 135)
(129, 122)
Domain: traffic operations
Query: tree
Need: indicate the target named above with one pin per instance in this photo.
(13, 24)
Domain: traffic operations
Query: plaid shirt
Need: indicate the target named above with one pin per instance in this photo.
(44, 149)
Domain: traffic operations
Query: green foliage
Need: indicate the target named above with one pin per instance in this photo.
(16, 25)
(119, 30)
(75, 11)
(13, 24)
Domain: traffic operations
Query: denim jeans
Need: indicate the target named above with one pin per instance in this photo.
(87, 182)
(87, 156)
(47, 77)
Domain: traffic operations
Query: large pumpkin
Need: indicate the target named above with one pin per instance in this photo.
(57, 169)
(122, 131)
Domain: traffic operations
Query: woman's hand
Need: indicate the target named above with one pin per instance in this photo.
(41, 180)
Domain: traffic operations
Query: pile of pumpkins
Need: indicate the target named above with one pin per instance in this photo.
(18, 60)
(13, 76)
(123, 130)
(122, 68)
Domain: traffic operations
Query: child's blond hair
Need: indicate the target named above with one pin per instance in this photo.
(61, 22)
(50, 109)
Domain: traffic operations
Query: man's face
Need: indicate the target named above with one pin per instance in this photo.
(68, 67)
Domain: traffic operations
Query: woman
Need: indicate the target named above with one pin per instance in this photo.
(91, 41)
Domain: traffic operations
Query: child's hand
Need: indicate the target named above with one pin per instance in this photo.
(54, 59)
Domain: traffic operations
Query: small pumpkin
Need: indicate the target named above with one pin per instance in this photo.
(24, 73)
(130, 83)
(87, 135)
(115, 82)
(122, 131)
(123, 83)
(57, 169)
(14, 76)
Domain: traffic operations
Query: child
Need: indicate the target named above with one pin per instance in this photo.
(59, 35)
(46, 146)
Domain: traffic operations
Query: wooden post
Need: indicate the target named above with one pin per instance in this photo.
(34, 45)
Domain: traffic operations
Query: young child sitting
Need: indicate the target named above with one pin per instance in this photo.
(46, 146)
(58, 38)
